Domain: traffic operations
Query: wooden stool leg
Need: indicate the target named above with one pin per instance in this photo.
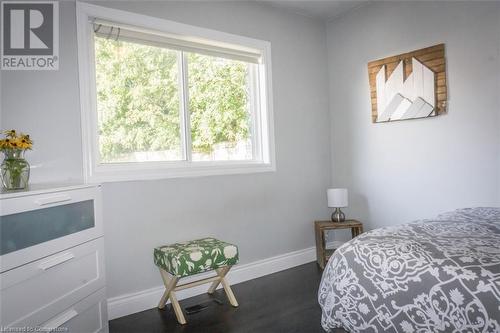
(229, 293)
(215, 284)
(221, 272)
(170, 283)
(177, 308)
(227, 288)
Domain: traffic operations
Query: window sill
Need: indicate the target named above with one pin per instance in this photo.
(131, 172)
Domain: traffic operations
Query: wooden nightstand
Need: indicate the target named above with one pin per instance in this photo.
(320, 228)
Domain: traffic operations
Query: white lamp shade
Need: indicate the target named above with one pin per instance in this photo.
(337, 197)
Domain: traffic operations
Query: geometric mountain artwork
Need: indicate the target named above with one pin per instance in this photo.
(409, 86)
(404, 99)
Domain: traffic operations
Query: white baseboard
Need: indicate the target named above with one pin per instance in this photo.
(147, 299)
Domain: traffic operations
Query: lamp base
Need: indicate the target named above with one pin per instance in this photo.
(338, 215)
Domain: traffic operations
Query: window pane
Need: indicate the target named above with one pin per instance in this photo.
(137, 102)
(219, 106)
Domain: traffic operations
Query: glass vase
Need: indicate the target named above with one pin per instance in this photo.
(14, 170)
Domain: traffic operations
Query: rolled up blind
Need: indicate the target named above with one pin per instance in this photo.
(122, 32)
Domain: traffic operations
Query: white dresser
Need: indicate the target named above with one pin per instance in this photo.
(52, 260)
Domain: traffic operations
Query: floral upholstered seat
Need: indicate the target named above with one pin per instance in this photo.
(179, 260)
(188, 258)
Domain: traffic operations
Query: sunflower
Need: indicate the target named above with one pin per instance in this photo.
(4, 143)
(23, 141)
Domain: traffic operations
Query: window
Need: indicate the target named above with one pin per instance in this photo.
(163, 99)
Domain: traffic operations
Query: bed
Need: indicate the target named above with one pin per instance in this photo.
(439, 275)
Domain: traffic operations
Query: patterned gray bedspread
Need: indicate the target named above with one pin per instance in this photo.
(440, 275)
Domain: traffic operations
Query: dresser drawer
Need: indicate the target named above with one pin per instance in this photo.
(35, 292)
(35, 226)
(86, 316)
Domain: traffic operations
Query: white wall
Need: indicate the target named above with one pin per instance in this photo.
(265, 214)
(407, 170)
(45, 104)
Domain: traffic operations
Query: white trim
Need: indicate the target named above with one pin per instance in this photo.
(41, 188)
(151, 171)
(147, 299)
(95, 172)
(184, 104)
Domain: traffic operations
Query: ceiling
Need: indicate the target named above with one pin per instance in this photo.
(324, 10)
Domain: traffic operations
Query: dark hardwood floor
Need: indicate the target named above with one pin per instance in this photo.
(282, 302)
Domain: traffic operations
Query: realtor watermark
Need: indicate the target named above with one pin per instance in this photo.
(29, 35)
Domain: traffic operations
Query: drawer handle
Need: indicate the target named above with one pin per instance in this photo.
(52, 200)
(63, 318)
(56, 261)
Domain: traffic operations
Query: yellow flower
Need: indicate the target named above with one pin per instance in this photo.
(20, 143)
(7, 143)
(15, 143)
(26, 137)
(26, 142)
(10, 133)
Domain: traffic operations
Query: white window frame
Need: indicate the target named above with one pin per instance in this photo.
(263, 128)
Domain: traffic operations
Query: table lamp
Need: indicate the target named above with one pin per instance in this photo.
(337, 198)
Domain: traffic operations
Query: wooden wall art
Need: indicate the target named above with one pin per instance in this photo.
(408, 86)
